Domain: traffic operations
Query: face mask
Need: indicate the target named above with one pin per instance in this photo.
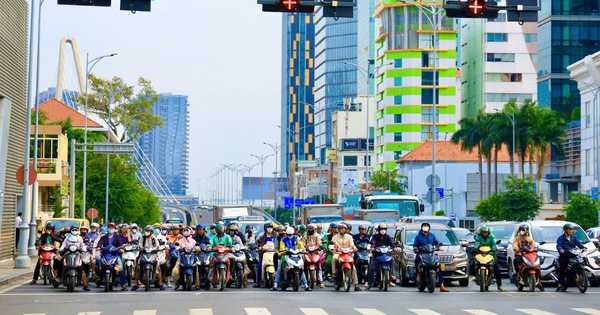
(425, 229)
(111, 231)
(94, 231)
(147, 233)
(311, 232)
(522, 232)
(156, 231)
(269, 230)
(75, 232)
(221, 233)
(382, 232)
(163, 232)
(232, 232)
(342, 232)
(290, 235)
(135, 231)
(249, 232)
(186, 233)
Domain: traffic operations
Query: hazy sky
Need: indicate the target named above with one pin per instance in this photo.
(225, 55)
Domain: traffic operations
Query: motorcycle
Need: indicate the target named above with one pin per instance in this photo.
(71, 273)
(484, 267)
(293, 267)
(312, 261)
(237, 269)
(344, 269)
(148, 264)
(48, 252)
(575, 272)
(268, 264)
(530, 269)
(129, 257)
(363, 257)
(252, 256)
(203, 262)
(429, 267)
(108, 267)
(187, 267)
(385, 262)
(221, 272)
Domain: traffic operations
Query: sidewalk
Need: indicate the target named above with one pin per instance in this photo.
(8, 272)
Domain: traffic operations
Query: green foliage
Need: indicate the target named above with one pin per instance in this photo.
(582, 210)
(518, 203)
(440, 213)
(389, 179)
(576, 113)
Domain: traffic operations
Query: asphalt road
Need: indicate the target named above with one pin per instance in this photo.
(21, 298)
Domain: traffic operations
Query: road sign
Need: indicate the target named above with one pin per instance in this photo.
(299, 202)
(112, 148)
(440, 191)
(92, 213)
(432, 197)
(594, 193)
(430, 182)
(21, 175)
(309, 201)
(288, 202)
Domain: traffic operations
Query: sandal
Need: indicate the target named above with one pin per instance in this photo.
(256, 285)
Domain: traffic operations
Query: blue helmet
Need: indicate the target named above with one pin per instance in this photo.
(199, 227)
(333, 225)
(103, 230)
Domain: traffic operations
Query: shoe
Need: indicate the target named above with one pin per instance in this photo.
(357, 288)
(367, 287)
(135, 287)
(256, 285)
(124, 288)
(443, 289)
(176, 287)
(197, 287)
(307, 289)
(473, 278)
(161, 287)
(392, 284)
(32, 282)
(541, 288)
(501, 289)
(170, 286)
(274, 289)
(85, 288)
(320, 285)
(520, 282)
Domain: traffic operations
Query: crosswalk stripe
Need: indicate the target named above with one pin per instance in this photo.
(587, 311)
(369, 311)
(479, 312)
(420, 311)
(145, 312)
(534, 311)
(35, 314)
(89, 313)
(201, 311)
(313, 311)
(257, 311)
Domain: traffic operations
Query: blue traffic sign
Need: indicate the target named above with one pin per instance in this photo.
(288, 202)
(309, 201)
(594, 193)
(299, 202)
(440, 191)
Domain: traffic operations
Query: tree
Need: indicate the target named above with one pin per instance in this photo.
(469, 136)
(582, 210)
(389, 179)
(129, 116)
(518, 203)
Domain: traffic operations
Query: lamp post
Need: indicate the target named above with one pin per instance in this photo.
(276, 147)
(248, 167)
(88, 69)
(261, 159)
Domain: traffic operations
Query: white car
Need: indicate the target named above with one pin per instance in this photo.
(548, 232)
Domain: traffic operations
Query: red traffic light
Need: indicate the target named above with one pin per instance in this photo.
(476, 7)
(289, 5)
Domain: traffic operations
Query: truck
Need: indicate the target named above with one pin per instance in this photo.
(377, 215)
(403, 205)
(228, 213)
(324, 213)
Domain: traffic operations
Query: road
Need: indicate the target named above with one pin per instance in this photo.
(21, 299)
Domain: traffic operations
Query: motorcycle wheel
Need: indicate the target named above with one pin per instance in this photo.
(107, 282)
(71, 283)
(532, 279)
(129, 274)
(47, 274)
(268, 280)
(240, 278)
(55, 283)
(312, 278)
(385, 279)
(511, 272)
(188, 282)
(482, 277)
(421, 283)
(431, 284)
(347, 279)
(296, 282)
(147, 278)
(221, 279)
(582, 281)
(253, 273)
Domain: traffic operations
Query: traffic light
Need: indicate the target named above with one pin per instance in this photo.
(135, 5)
(97, 3)
(286, 6)
(471, 9)
(332, 9)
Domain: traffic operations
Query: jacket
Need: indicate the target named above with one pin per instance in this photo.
(488, 241)
(105, 240)
(522, 241)
(361, 238)
(377, 241)
(339, 241)
(73, 240)
(567, 244)
(422, 240)
(313, 239)
(202, 239)
(48, 239)
(185, 242)
(292, 242)
(217, 240)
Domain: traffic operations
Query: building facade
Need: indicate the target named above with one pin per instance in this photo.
(297, 94)
(167, 147)
(13, 116)
(405, 85)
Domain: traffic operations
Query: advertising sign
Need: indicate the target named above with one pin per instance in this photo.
(251, 187)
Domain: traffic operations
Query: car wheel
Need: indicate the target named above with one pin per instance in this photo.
(511, 271)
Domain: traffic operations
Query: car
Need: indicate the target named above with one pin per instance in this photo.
(545, 234)
(502, 230)
(429, 219)
(61, 223)
(593, 233)
(464, 234)
(453, 258)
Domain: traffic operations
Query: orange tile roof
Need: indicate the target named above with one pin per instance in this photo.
(57, 111)
(447, 150)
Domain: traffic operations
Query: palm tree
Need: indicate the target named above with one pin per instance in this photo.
(469, 138)
(524, 120)
(547, 132)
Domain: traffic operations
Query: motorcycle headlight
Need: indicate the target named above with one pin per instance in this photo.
(73, 248)
(460, 254)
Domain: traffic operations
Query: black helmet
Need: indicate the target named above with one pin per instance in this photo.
(249, 228)
(50, 226)
(567, 226)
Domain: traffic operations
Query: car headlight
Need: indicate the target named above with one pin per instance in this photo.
(460, 255)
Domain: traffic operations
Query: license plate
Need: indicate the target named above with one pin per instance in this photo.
(443, 267)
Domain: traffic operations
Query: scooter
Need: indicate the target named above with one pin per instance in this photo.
(484, 267)
(187, 267)
(385, 262)
(344, 269)
(429, 267)
(293, 267)
(148, 264)
(312, 261)
(48, 252)
(108, 267)
(530, 269)
(129, 257)
(268, 264)
(252, 258)
(71, 270)
(203, 262)
(220, 260)
(363, 257)
(237, 273)
(575, 272)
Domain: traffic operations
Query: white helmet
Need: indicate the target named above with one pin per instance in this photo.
(290, 231)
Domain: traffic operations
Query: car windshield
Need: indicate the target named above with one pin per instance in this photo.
(327, 219)
(406, 207)
(446, 237)
(463, 234)
(502, 232)
(441, 221)
(549, 234)
(257, 227)
(59, 224)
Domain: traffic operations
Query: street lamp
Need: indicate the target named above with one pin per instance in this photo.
(276, 147)
(88, 69)
(511, 116)
(248, 167)
(261, 158)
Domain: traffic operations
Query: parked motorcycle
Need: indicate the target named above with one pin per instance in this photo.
(252, 258)
(187, 267)
(220, 260)
(312, 260)
(484, 267)
(71, 273)
(108, 267)
(129, 257)
(238, 257)
(385, 262)
(428, 267)
(268, 264)
(148, 264)
(363, 257)
(344, 268)
(530, 269)
(47, 254)
(203, 262)
(293, 267)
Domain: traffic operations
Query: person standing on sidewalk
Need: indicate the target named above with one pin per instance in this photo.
(18, 221)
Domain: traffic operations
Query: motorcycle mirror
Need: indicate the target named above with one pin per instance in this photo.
(498, 242)
(542, 242)
(463, 243)
(441, 244)
(398, 244)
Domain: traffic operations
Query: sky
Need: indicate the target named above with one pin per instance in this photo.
(224, 54)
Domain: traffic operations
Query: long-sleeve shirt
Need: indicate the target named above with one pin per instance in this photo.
(73, 240)
(186, 241)
(108, 240)
(487, 241)
(217, 240)
(125, 239)
(422, 240)
(521, 241)
(568, 243)
(343, 241)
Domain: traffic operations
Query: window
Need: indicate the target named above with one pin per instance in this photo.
(426, 60)
(350, 160)
(530, 38)
(467, 224)
(425, 133)
(497, 57)
(398, 136)
(427, 114)
(587, 114)
(504, 77)
(497, 37)
(365, 160)
(397, 118)
(588, 161)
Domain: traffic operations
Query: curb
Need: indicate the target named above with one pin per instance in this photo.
(24, 274)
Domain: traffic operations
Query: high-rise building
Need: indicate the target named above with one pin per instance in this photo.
(335, 81)
(567, 32)
(297, 96)
(365, 42)
(67, 97)
(167, 147)
(405, 80)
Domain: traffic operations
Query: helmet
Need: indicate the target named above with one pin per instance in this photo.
(248, 227)
(84, 227)
(567, 226)
(302, 227)
(280, 228)
(134, 225)
(75, 229)
(342, 226)
(213, 226)
(289, 231)
(319, 226)
(103, 230)
(219, 226)
(484, 228)
(111, 223)
(311, 226)
(149, 228)
(382, 226)
(155, 225)
(362, 227)
(233, 227)
(200, 227)
(525, 227)
(96, 225)
(125, 225)
(50, 226)
(333, 225)
(268, 224)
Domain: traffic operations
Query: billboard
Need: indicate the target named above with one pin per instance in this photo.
(251, 187)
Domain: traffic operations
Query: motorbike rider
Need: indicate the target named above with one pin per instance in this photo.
(236, 239)
(220, 238)
(238, 233)
(343, 240)
(162, 240)
(111, 238)
(94, 232)
(566, 242)
(135, 232)
(149, 239)
(302, 231)
(289, 241)
(249, 234)
(48, 237)
(185, 240)
(320, 231)
(361, 236)
(201, 237)
(424, 238)
(174, 234)
(312, 238)
(212, 230)
(126, 236)
(269, 235)
(486, 238)
(73, 238)
(327, 240)
(381, 238)
(521, 240)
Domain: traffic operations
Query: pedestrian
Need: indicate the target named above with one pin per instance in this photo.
(18, 221)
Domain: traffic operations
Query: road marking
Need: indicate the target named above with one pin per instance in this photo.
(423, 311)
(145, 312)
(14, 286)
(313, 311)
(90, 313)
(36, 314)
(479, 312)
(369, 311)
(257, 311)
(534, 311)
(201, 311)
(587, 311)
